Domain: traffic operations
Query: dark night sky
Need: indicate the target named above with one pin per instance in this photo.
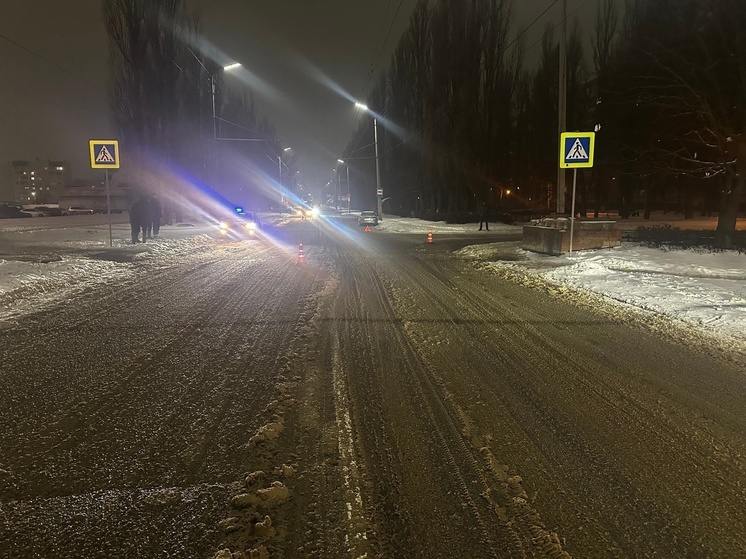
(288, 49)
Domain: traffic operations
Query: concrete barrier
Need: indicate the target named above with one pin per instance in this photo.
(552, 236)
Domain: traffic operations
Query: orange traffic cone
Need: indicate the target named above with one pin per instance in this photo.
(301, 254)
(367, 228)
(429, 236)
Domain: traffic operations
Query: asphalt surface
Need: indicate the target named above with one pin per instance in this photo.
(411, 404)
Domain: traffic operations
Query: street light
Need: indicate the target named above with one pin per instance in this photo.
(231, 66)
(378, 172)
(348, 183)
(279, 162)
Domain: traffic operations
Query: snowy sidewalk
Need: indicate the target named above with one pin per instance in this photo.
(704, 289)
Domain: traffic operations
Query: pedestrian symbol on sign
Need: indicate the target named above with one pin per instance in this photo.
(577, 151)
(104, 156)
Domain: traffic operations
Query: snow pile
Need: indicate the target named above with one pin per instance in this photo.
(704, 289)
(52, 282)
(393, 224)
(699, 288)
(43, 265)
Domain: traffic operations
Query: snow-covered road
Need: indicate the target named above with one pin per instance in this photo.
(42, 263)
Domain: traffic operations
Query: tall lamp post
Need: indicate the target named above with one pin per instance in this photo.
(279, 162)
(348, 183)
(227, 67)
(213, 86)
(379, 195)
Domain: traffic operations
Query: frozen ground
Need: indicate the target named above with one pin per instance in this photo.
(700, 288)
(43, 262)
(45, 265)
(393, 224)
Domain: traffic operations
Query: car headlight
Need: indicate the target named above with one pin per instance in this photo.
(315, 212)
(223, 225)
(251, 226)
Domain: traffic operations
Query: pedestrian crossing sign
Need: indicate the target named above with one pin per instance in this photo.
(104, 154)
(576, 149)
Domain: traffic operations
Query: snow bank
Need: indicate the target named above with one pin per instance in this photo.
(393, 224)
(703, 289)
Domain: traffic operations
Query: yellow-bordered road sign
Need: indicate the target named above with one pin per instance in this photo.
(576, 149)
(104, 154)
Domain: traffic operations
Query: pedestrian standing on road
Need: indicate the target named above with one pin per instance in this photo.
(157, 215)
(484, 216)
(139, 217)
(153, 216)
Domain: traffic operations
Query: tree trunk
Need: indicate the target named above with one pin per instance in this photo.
(649, 196)
(731, 197)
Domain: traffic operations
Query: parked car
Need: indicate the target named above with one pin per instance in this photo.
(8, 212)
(50, 212)
(33, 213)
(367, 218)
(79, 210)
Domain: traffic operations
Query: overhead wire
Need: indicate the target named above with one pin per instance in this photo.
(576, 10)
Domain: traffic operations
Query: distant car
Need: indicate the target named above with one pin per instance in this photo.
(9, 212)
(367, 218)
(79, 210)
(33, 213)
(50, 212)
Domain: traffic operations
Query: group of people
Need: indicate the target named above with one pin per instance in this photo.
(145, 216)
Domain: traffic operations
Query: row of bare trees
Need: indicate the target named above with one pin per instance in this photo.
(161, 100)
(462, 120)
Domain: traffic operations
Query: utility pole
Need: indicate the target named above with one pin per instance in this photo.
(562, 106)
(378, 172)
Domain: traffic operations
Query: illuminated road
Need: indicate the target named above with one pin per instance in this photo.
(411, 404)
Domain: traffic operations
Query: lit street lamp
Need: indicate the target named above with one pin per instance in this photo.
(226, 67)
(232, 66)
(279, 162)
(378, 173)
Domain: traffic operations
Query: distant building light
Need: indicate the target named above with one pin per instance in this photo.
(60, 168)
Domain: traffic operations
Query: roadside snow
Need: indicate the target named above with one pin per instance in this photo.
(48, 261)
(707, 290)
(393, 224)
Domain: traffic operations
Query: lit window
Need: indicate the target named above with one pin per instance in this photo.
(60, 168)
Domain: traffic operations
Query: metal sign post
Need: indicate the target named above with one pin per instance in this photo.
(576, 152)
(108, 208)
(572, 217)
(105, 155)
